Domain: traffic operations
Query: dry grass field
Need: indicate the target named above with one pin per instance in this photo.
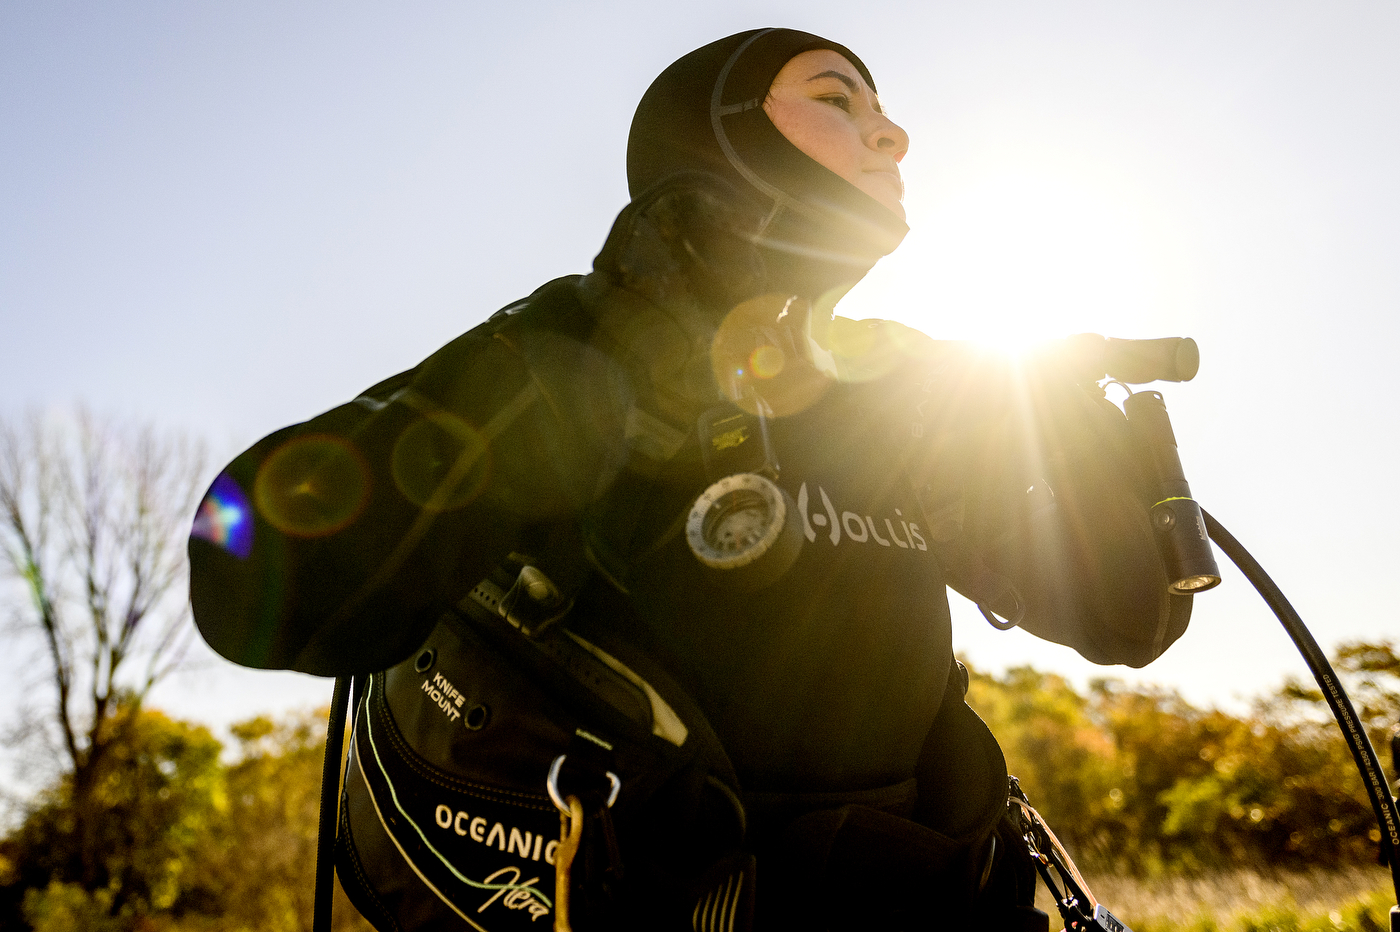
(1247, 901)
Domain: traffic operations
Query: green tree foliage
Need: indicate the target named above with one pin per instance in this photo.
(189, 843)
(258, 871)
(160, 792)
(1141, 781)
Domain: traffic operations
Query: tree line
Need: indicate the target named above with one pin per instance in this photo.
(1139, 781)
(1133, 780)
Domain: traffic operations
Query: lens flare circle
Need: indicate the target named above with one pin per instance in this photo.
(312, 486)
(440, 462)
(748, 361)
(767, 361)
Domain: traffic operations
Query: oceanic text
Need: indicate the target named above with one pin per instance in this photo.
(525, 845)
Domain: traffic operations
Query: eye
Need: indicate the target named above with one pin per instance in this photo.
(837, 100)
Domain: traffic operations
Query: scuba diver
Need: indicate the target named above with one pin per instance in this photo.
(679, 530)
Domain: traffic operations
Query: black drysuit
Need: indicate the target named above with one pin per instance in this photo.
(564, 429)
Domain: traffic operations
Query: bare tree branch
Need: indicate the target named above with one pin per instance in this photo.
(93, 520)
(30, 493)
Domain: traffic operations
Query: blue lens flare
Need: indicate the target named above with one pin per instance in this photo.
(224, 518)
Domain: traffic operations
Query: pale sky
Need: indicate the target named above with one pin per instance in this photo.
(227, 217)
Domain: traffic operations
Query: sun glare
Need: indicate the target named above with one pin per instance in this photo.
(1013, 255)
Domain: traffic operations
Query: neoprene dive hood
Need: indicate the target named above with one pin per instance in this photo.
(705, 113)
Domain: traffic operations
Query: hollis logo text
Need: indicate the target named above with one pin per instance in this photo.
(859, 528)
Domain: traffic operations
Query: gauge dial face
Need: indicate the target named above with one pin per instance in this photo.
(735, 521)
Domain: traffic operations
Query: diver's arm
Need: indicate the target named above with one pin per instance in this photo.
(1066, 521)
(371, 519)
(1027, 479)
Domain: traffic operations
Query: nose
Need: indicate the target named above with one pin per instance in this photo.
(887, 136)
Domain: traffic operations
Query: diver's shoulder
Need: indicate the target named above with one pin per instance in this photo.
(873, 348)
(555, 294)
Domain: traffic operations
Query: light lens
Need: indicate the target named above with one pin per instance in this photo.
(1195, 584)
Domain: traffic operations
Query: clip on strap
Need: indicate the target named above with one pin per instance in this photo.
(994, 594)
(571, 818)
(560, 802)
(1014, 612)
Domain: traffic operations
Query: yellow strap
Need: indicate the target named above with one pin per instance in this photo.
(570, 833)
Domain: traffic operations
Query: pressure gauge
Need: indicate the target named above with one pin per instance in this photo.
(746, 526)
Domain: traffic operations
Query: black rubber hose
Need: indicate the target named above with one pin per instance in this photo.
(330, 808)
(1372, 774)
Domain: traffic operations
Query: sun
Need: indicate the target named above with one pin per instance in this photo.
(1014, 254)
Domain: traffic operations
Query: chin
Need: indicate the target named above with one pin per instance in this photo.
(886, 199)
(893, 206)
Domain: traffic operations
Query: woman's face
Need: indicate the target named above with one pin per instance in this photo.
(822, 105)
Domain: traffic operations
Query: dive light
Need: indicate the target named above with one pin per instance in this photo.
(1177, 521)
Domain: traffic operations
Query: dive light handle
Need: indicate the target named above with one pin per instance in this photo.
(1091, 357)
(1177, 522)
(1169, 359)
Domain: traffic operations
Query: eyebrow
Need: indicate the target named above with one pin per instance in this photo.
(843, 78)
(850, 84)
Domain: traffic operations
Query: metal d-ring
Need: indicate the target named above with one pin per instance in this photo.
(552, 784)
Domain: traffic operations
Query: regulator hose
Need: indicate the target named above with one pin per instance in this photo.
(330, 808)
(1372, 774)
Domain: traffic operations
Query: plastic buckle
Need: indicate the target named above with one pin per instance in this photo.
(533, 603)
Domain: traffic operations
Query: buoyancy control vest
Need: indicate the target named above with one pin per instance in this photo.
(447, 815)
